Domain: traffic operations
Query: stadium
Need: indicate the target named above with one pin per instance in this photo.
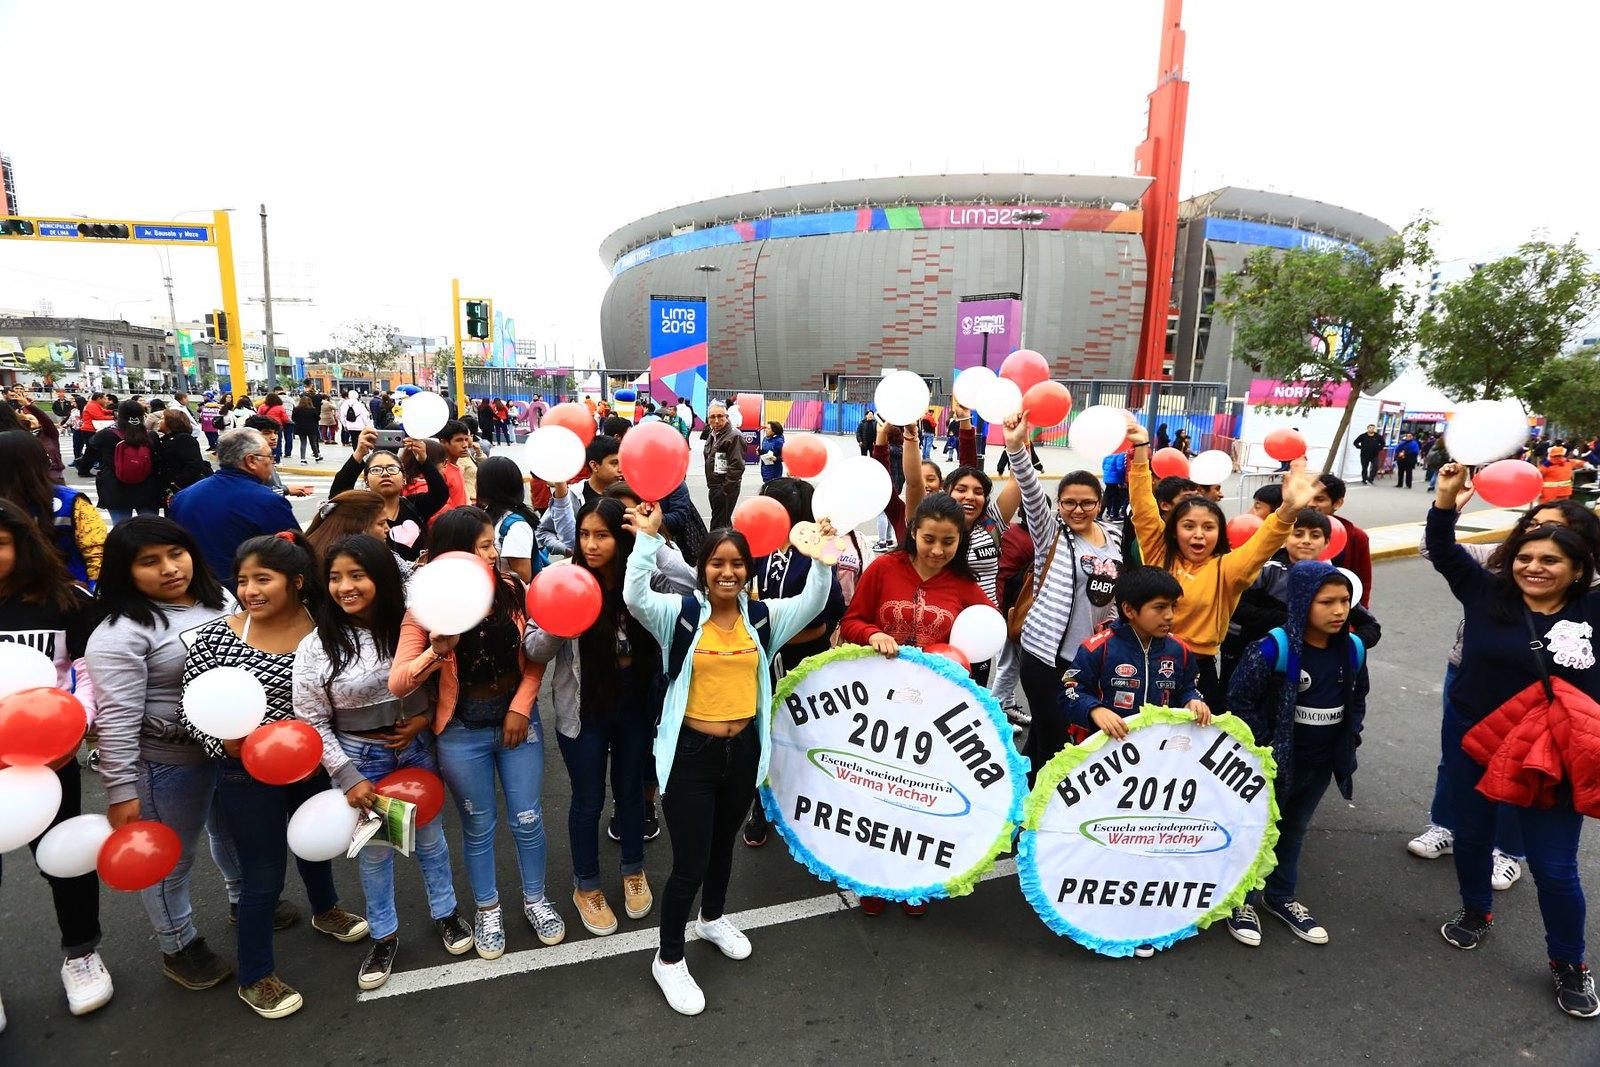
(807, 287)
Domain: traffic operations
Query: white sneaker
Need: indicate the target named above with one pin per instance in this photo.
(87, 982)
(1432, 843)
(1506, 871)
(2, 1017)
(678, 986)
(725, 936)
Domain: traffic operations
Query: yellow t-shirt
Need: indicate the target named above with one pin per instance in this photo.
(722, 682)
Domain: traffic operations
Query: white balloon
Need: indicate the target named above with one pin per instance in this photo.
(320, 828)
(1482, 431)
(30, 798)
(554, 453)
(72, 846)
(901, 397)
(979, 632)
(851, 491)
(1210, 467)
(970, 384)
(1000, 400)
(735, 417)
(1355, 596)
(24, 667)
(225, 702)
(450, 596)
(1098, 431)
(424, 414)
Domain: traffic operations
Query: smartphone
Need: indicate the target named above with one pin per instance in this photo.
(390, 440)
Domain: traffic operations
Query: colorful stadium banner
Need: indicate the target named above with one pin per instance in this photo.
(894, 778)
(1244, 232)
(1266, 392)
(861, 220)
(987, 326)
(1148, 840)
(678, 350)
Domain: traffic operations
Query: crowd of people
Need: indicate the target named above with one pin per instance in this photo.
(1112, 600)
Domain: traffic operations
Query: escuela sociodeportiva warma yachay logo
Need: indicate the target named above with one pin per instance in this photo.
(894, 785)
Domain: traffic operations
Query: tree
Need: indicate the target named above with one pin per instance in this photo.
(443, 363)
(1491, 334)
(48, 367)
(1566, 391)
(372, 344)
(1330, 317)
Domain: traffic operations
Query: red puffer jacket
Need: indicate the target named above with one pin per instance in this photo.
(1531, 745)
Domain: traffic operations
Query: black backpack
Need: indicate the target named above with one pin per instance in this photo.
(683, 633)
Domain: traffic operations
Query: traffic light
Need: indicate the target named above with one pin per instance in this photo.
(217, 325)
(103, 229)
(16, 228)
(478, 319)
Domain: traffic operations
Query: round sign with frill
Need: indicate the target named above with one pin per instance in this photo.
(1150, 839)
(895, 778)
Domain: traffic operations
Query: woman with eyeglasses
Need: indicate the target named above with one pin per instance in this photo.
(408, 515)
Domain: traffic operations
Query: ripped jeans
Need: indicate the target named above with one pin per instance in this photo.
(469, 758)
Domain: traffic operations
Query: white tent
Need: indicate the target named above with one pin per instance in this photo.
(1419, 397)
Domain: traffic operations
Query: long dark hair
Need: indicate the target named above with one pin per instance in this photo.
(38, 575)
(130, 423)
(1505, 602)
(291, 555)
(336, 627)
(714, 541)
(984, 480)
(597, 646)
(501, 489)
(120, 597)
(942, 507)
(25, 474)
(458, 530)
(794, 494)
(1579, 519)
(1169, 536)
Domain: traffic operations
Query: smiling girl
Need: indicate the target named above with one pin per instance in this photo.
(408, 514)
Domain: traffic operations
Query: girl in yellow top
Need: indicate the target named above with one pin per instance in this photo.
(1193, 545)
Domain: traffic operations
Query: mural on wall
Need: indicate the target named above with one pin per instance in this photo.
(15, 352)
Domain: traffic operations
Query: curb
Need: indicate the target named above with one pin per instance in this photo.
(1483, 537)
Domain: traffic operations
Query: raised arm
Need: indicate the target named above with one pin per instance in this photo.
(1147, 521)
(1025, 487)
(911, 467)
(1240, 567)
(1466, 578)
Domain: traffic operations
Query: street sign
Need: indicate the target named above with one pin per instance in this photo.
(200, 234)
(102, 230)
(58, 229)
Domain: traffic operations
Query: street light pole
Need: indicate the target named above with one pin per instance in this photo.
(266, 292)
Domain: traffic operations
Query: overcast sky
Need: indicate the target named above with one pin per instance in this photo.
(399, 144)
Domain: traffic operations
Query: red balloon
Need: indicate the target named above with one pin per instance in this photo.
(39, 726)
(1284, 444)
(1337, 539)
(764, 523)
(1169, 463)
(281, 753)
(654, 459)
(1241, 527)
(1047, 403)
(138, 855)
(1027, 368)
(805, 455)
(1509, 483)
(950, 652)
(565, 599)
(420, 787)
(574, 417)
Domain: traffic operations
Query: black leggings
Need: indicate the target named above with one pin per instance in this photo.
(704, 802)
(1047, 735)
(77, 900)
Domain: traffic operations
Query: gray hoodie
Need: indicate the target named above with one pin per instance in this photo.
(138, 683)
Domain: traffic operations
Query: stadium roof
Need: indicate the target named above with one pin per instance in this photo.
(1079, 190)
(1285, 210)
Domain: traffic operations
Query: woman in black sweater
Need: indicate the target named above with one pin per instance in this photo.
(1530, 622)
(307, 418)
(408, 515)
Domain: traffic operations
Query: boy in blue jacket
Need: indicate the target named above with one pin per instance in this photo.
(1135, 661)
(1313, 726)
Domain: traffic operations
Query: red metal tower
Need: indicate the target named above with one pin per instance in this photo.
(1160, 158)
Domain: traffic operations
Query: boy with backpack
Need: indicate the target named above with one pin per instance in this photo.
(1312, 724)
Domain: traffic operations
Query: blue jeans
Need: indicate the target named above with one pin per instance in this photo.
(377, 861)
(1297, 802)
(469, 758)
(254, 817)
(1507, 827)
(1550, 836)
(624, 736)
(122, 515)
(927, 446)
(179, 795)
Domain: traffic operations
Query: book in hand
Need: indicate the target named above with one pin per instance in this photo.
(389, 822)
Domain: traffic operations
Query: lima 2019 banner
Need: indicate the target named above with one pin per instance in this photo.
(678, 351)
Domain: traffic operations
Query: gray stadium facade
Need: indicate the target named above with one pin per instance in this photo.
(807, 283)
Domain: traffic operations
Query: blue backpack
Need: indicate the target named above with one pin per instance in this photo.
(540, 559)
(1280, 642)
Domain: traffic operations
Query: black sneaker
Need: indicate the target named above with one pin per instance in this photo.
(1245, 925)
(380, 961)
(1297, 918)
(611, 830)
(1575, 990)
(195, 966)
(652, 825)
(756, 828)
(456, 935)
(1467, 929)
(284, 915)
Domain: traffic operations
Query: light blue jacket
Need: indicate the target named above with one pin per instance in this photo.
(659, 614)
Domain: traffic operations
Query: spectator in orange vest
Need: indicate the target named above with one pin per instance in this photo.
(1557, 470)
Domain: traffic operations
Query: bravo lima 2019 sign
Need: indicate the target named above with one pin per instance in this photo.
(1148, 840)
(896, 778)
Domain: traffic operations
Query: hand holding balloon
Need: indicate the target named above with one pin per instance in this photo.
(644, 519)
(1452, 479)
(1017, 432)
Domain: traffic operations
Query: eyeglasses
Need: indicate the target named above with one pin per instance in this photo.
(1077, 505)
(385, 469)
(264, 455)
